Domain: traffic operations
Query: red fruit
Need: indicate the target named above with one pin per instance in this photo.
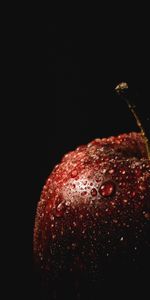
(94, 207)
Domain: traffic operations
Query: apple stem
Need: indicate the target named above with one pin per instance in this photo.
(121, 90)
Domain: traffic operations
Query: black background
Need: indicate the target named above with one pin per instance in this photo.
(78, 61)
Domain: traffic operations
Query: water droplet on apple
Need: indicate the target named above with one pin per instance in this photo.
(83, 193)
(74, 173)
(111, 171)
(73, 245)
(133, 194)
(98, 179)
(122, 171)
(60, 209)
(138, 172)
(142, 187)
(125, 201)
(107, 189)
(93, 192)
(147, 216)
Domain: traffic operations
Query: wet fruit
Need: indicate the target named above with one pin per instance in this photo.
(93, 217)
(94, 206)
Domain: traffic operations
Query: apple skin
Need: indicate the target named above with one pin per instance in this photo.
(94, 212)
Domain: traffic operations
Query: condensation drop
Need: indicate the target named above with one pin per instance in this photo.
(73, 246)
(123, 171)
(111, 171)
(133, 194)
(83, 193)
(93, 192)
(98, 179)
(60, 209)
(147, 216)
(74, 173)
(125, 201)
(142, 187)
(107, 189)
(138, 172)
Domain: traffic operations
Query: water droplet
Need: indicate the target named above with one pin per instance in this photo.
(133, 194)
(138, 172)
(83, 193)
(122, 171)
(74, 173)
(41, 256)
(62, 232)
(93, 192)
(147, 216)
(111, 171)
(107, 189)
(142, 187)
(60, 209)
(115, 221)
(98, 179)
(125, 200)
(73, 245)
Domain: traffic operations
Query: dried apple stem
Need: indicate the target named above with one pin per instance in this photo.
(121, 89)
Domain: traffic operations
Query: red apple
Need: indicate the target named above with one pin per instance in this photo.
(94, 208)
